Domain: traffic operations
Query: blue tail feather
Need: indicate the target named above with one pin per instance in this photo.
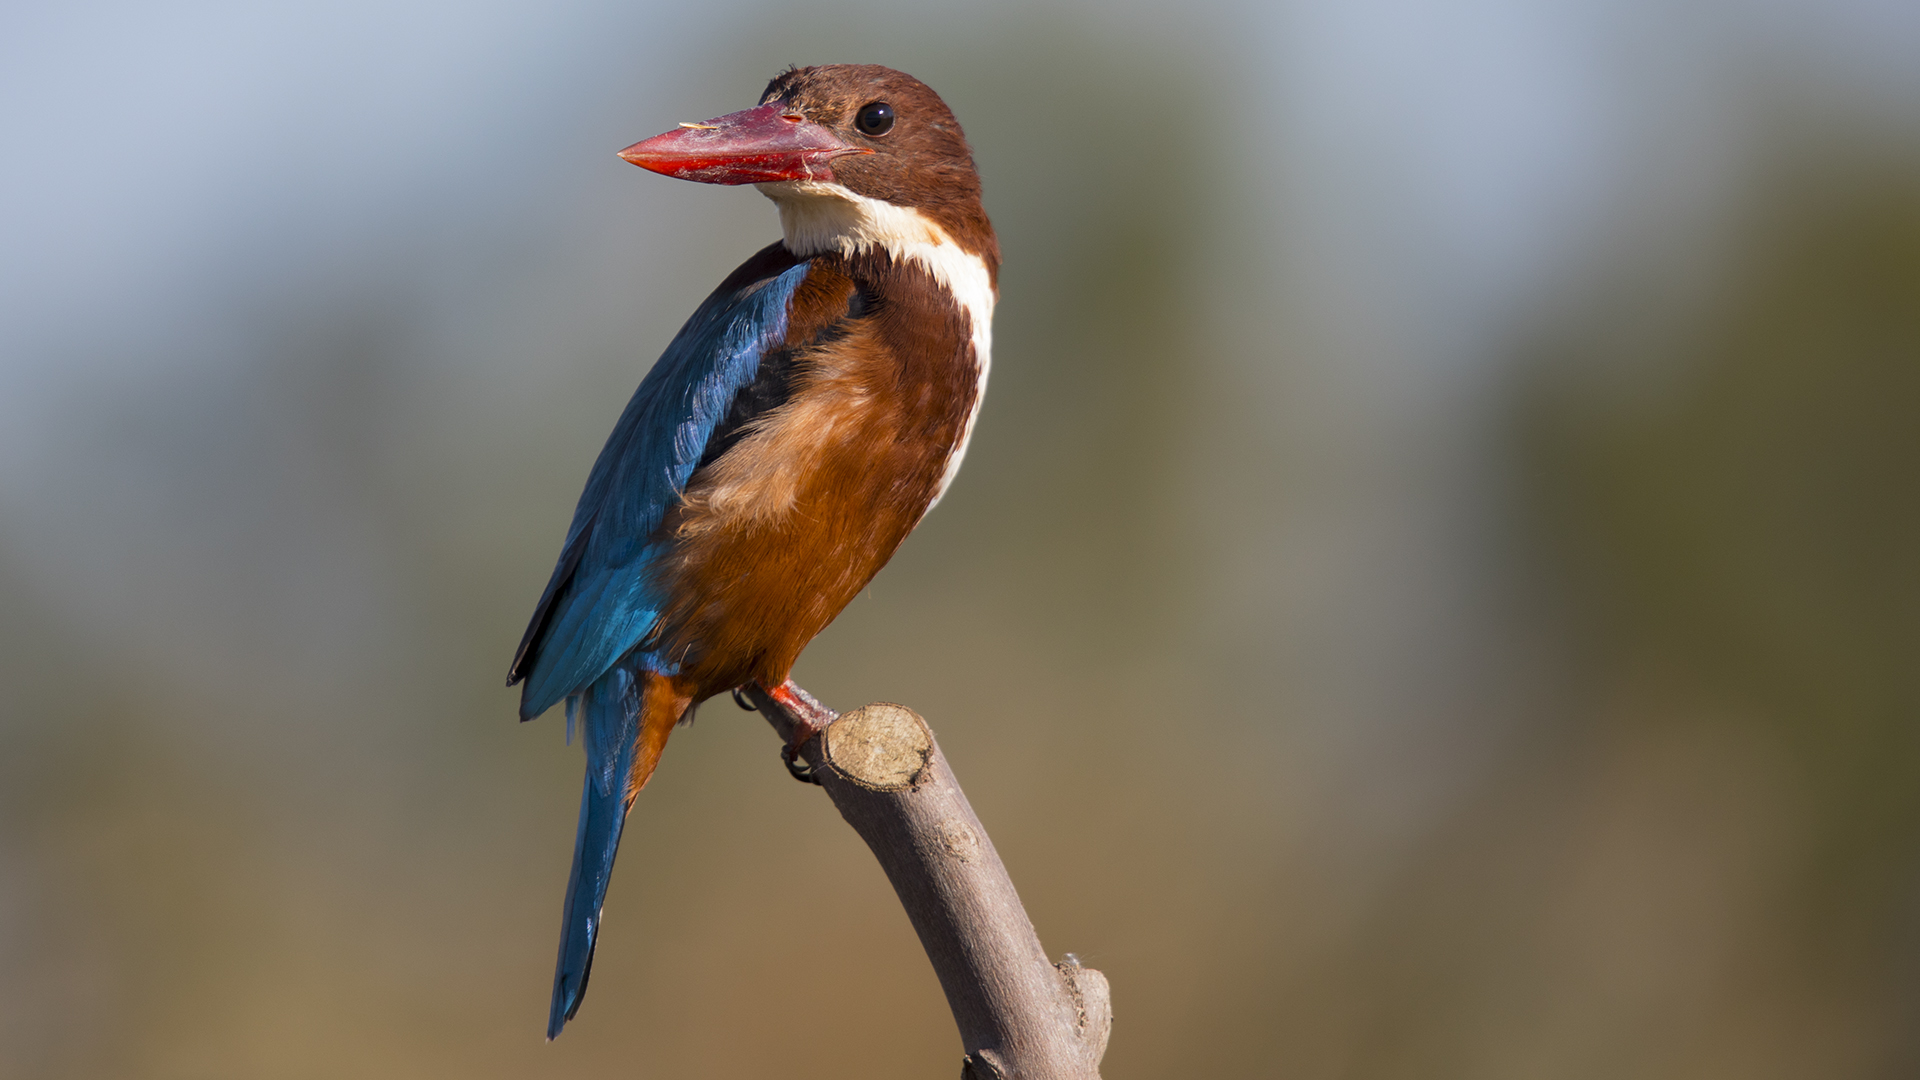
(611, 711)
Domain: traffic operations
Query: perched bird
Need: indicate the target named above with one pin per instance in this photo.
(802, 422)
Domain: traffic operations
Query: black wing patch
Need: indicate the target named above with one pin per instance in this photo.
(772, 384)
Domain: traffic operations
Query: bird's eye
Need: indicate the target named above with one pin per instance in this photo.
(874, 118)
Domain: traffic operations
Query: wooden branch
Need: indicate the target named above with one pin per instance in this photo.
(1020, 1016)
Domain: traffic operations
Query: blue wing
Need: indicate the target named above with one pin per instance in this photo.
(601, 601)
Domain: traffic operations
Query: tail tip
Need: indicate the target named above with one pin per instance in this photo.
(568, 992)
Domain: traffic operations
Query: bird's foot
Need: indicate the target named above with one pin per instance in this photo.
(796, 768)
(810, 718)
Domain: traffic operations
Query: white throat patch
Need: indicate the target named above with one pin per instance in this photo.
(819, 217)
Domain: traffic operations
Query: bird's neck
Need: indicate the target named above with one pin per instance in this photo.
(818, 217)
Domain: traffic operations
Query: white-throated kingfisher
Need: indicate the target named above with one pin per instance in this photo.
(802, 422)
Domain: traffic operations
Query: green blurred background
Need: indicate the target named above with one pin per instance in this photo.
(1435, 591)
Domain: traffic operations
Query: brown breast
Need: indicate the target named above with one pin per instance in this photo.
(776, 535)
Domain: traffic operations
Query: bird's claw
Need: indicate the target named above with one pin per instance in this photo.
(740, 699)
(797, 768)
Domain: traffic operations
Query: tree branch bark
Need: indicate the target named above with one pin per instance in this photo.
(1020, 1016)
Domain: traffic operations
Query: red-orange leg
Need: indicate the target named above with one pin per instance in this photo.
(810, 718)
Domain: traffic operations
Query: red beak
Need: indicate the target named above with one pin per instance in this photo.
(752, 146)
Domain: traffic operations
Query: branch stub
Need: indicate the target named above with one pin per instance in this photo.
(881, 747)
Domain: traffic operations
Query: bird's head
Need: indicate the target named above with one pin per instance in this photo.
(837, 147)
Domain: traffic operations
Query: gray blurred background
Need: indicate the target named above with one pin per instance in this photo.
(1435, 591)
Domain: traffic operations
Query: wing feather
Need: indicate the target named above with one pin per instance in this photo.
(601, 601)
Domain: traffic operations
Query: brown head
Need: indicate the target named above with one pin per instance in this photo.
(825, 140)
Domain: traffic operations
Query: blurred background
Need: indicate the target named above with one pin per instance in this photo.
(1435, 590)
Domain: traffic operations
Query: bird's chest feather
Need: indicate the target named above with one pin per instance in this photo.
(780, 531)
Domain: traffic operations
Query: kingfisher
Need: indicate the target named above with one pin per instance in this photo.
(796, 429)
